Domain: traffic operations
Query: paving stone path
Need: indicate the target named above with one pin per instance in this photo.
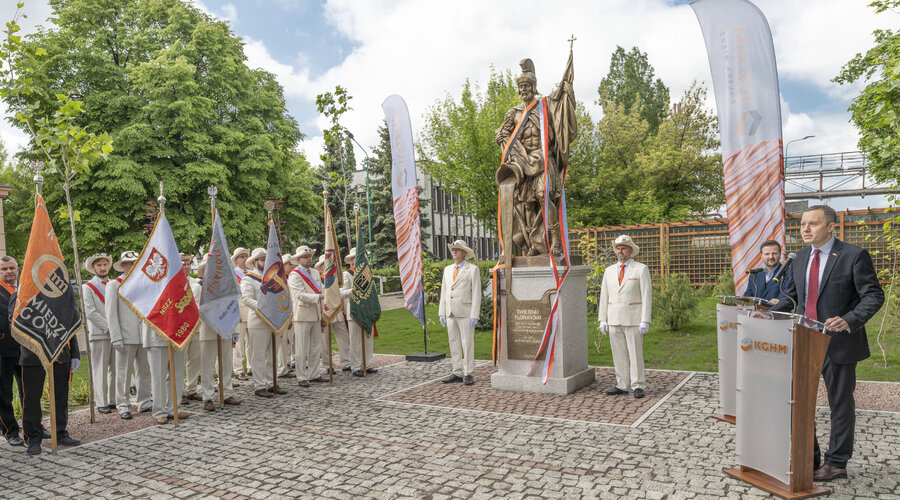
(361, 439)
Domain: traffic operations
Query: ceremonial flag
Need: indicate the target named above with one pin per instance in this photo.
(745, 79)
(157, 288)
(274, 303)
(46, 316)
(219, 302)
(406, 206)
(364, 305)
(334, 274)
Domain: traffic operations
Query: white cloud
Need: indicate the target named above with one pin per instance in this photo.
(296, 83)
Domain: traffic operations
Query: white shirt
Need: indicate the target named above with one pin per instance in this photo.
(824, 252)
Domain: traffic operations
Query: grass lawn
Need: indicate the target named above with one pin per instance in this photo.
(693, 348)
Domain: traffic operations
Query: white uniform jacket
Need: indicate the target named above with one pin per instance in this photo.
(250, 285)
(630, 303)
(95, 310)
(461, 298)
(124, 325)
(305, 298)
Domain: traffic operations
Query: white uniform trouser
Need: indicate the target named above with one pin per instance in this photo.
(132, 357)
(628, 356)
(308, 336)
(357, 335)
(339, 329)
(260, 351)
(209, 357)
(103, 371)
(281, 349)
(462, 345)
(158, 358)
(240, 349)
(192, 363)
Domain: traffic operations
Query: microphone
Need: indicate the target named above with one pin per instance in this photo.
(757, 270)
(790, 259)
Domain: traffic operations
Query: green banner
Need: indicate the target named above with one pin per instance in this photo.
(364, 306)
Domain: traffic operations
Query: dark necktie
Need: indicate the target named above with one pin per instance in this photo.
(812, 293)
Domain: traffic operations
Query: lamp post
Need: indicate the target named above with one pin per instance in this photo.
(784, 160)
(368, 200)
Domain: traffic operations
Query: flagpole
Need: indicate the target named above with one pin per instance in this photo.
(362, 333)
(328, 334)
(162, 208)
(269, 208)
(52, 397)
(212, 191)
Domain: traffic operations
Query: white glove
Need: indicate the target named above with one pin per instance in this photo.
(643, 327)
(118, 345)
(473, 321)
(75, 364)
(604, 327)
(443, 321)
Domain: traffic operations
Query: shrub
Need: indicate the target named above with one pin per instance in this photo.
(724, 283)
(675, 302)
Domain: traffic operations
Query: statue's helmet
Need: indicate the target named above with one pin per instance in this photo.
(527, 72)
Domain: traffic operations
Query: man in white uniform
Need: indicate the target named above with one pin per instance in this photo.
(305, 285)
(125, 333)
(259, 333)
(459, 309)
(626, 298)
(241, 348)
(356, 336)
(103, 358)
(209, 355)
(191, 352)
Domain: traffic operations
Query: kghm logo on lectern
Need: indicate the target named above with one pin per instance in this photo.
(747, 344)
(724, 325)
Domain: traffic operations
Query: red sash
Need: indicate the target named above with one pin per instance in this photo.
(308, 279)
(96, 290)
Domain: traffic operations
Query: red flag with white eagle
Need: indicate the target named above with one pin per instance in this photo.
(157, 288)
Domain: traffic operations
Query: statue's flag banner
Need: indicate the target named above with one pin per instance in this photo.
(220, 300)
(157, 288)
(406, 206)
(364, 305)
(745, 79)
(274, 303)
(333, 275)
(46, 316)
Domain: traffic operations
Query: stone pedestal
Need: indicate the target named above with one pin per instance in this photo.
(525, 315)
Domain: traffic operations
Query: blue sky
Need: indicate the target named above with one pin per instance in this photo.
(424, 50)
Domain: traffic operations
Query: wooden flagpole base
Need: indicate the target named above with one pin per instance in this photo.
(770, 484)
(724, 417)
(52, 396)
(330, 361)
(221, 384)
(274, 367)
(362, 338)
(172, 378)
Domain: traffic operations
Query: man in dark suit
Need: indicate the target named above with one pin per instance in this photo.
(9, 353)
(761, 284)
(835, 283)
(33, 387)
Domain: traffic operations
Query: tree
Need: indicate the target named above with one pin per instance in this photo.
(384, 232)
(18, 209)
(172, 87)
(338, 161)
(459, 142)
(876, 110)
(630, 83)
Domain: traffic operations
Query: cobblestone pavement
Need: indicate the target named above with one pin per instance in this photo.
(348, 441)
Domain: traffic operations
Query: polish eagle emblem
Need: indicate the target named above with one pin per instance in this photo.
(156, 266)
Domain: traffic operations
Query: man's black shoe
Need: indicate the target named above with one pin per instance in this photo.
(146, 410)
(67, 440)
(615, 391)
(15, 441)
(104, 410)
(452, 379)
(828, 472)
(359, 373)
(371, 370)
(45, 433)
(34, 448)
(346, 369)
(125, 415)
(638, 393)
(469, 380)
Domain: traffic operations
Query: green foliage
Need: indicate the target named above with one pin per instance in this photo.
(876, 110)
(172, 87)
(459, 140)
(630, 84)
(724, 283)
(675, 302)
(338, 163)
(595, 257)
(18, 209)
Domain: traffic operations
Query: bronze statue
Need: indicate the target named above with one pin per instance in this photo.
(524, 172)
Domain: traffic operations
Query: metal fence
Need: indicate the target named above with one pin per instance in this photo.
(700, 248)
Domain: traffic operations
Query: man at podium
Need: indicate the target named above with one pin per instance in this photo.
(835, 283)
(761, 284)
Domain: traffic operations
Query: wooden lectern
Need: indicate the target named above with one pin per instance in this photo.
(808, 355)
